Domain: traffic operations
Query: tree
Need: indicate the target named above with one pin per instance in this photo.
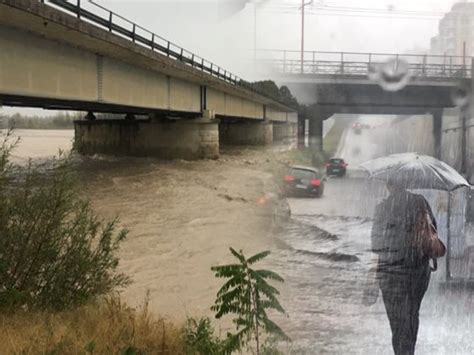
(287, 98)
(248, 296)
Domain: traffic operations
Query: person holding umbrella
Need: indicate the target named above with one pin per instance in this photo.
(403, 270)
(404, 238)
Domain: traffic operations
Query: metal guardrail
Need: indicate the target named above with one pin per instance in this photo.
(86, 10)
(362, 64)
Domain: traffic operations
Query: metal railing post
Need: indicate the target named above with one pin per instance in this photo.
(424, 65)
(153, 41)
(79, 9)
(444, 64)
(284, 61)
(133, 33)
(302, 63)
(450, 65)
(342, 62)
(111, 14)
(369, 64)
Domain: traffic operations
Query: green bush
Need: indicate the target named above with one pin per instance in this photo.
(55, 253)
(200, 338)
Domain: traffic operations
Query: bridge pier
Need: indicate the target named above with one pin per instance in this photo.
(315, 133)
(245, 133)
(301, 132)
(182, 139)
(285, 131)
(437, 132)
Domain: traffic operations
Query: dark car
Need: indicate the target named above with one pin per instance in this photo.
(303, 180)
(336, 167)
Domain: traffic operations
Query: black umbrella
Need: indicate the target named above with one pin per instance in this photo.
(414, 171)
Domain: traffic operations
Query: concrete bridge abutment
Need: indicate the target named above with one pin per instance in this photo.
(285, 131)
(181, 139)
(246, 133)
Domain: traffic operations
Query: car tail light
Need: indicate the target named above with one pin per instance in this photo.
(315, 182)
(345, 165)
(289, 178)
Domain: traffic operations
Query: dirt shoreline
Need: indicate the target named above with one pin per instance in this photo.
(183, 217)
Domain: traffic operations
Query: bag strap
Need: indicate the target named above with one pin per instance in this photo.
(435, 265)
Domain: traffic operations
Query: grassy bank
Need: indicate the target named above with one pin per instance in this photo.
(333, 137)
(104, 327)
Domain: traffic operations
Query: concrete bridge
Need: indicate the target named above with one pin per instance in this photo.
(70, 55)
(347, 82)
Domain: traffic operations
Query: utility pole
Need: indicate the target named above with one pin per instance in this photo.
(303, 4)
(255, 32)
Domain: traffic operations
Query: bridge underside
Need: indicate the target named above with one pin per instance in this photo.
(370, 98)
(361, 96)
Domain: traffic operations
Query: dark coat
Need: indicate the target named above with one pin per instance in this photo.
(393, 232)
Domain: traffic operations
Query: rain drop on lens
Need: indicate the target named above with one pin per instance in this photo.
(461, 96)
(392, 75)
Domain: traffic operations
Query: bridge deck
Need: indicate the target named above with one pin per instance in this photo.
(57, 54)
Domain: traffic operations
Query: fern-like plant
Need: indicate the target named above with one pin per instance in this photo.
(248, 295)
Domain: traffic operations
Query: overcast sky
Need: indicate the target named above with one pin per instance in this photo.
(194, 25)
(198, 26)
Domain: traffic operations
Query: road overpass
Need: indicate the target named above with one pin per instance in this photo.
(344, 82)
(73, 55)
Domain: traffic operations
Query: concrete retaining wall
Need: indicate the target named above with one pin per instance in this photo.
(193, 139)
(246, 133)
(282, 131)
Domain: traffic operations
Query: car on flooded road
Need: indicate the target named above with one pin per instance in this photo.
(303, 181)
(336, 167)
(357, 127)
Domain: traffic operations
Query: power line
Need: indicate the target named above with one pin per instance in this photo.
(379, 10)
(348, 11)
(328, 12)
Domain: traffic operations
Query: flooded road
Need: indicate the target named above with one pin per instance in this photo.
(325, 264)
(183, 216)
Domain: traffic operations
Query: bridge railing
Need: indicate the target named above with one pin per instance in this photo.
(354, 63)
(89, 11)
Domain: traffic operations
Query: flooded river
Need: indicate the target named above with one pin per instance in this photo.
(183, 216)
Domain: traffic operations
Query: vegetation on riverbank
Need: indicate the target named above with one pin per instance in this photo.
(58, 121)
(105, 326)
(58, 271)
